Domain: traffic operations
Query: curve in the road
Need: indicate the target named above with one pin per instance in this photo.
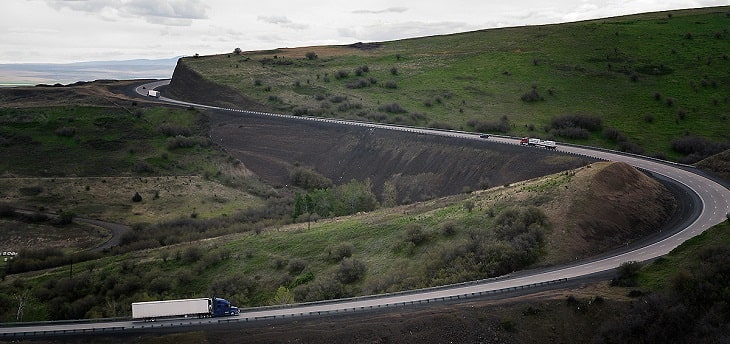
(713, 203)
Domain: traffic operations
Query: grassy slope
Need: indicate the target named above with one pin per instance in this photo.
(657, 275)
(111, 155)
(249, 267)
(482, 75)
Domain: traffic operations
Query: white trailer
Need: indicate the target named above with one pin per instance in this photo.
(169, 308)
(153, 93)
(547, 144)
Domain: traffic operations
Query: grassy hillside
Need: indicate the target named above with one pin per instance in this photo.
(659, 82)
(91, 161)
(446, 240)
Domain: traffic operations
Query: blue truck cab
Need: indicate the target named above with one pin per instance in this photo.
(222, 308)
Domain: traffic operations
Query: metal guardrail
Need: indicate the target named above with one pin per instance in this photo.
(243, 318)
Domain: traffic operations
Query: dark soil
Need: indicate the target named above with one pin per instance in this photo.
(421, 166)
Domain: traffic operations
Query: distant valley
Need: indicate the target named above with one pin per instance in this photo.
(19, 74)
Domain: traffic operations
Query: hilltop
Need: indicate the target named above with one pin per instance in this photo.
(655, 84)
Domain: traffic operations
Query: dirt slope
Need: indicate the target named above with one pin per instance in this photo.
(604, 206)
(420, 166)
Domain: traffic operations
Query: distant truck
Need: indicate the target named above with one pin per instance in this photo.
(153, 93)
(538, 143)
(201, 308)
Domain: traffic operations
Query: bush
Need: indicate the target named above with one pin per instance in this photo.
(137, 197)
(391, 85)
(309, 179)
(503, 126)
(173, 130)
(350, 270)
(532, 96)
(185, 142)
(359, 83)
(448, 228)
(341, 74)
(311, 55)
(296, 266)
(630, 147)
(393, 108)
(415, 234)
(697, 148)
(589, 123)
(613, 134)
(626, 274)
(66, 131)
(341, 251)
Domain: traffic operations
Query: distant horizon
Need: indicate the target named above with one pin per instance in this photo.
(110, 30)
(30, 74)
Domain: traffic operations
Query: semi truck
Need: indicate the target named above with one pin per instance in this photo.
(153, 93)
(200, 307)
(538, 143)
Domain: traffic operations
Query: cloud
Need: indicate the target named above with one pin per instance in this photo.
(386, 32)
(283, 22)
(170, 12)
(387, 10)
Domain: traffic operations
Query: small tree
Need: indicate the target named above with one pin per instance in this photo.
(311, 55)
(283, 297)
(137, 197)
(237, 51)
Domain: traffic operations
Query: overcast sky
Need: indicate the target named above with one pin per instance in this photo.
(59, 31)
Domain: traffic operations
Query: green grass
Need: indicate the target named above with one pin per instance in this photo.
(658, 274)
(482, 75)
(110, 155)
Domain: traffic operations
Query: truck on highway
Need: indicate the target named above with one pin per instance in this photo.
(201, 308)
(529, 141)
(153, 93)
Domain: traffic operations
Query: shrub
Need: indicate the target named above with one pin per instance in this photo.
(626, 274)
(296, 266)
(589, 123)
(415, 234)
(341, 74)
(192, 254)
(311, 55)
(448, 228)
(613, 134)
(185, 142)
(137, 197)
(66, 131)
(532, 96)
(393, 108)
(341, 251)
(338, 99)
(359, 83)
(502, 126)
(391, 85)
(394, 71)
(174, 130)
(697, 148)
(309, 179)
(630, 147)
(350, 270)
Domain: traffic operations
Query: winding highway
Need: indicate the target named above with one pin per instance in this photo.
(712, 203)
